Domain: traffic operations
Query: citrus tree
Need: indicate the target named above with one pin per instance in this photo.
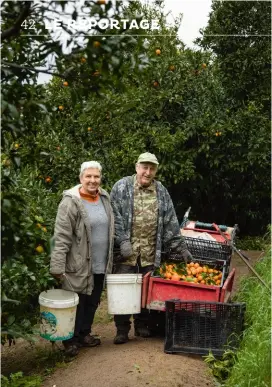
(29, 197)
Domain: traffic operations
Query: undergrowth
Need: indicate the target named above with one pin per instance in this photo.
(250, 366)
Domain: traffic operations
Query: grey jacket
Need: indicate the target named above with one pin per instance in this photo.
(72, 252)
(168, 230)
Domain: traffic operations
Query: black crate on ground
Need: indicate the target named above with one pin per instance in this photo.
(198, 327)
(206, 249)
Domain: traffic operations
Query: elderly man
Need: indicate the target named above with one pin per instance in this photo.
(145, 224)
(82, 254)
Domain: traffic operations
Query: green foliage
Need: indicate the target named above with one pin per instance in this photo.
(19, 380)
(238, 32)
(251, 365)
(221, 368)
(31, 183)
(260, 243)
(251, 243)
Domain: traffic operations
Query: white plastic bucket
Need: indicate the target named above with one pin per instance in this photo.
(57, 314)
(124, 293)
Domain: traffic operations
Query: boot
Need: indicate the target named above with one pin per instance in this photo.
(142, 332)
(121, 338)
(71, 349)
(89, 341)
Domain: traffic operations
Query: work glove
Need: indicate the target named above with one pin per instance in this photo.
(186, 255)
(183, 253)
(126, 249)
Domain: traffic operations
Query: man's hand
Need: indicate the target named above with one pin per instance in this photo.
(126, 249)
(186, 255)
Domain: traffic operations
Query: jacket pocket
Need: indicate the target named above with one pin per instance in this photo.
(74, 263)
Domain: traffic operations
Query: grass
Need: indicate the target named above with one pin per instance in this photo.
(254, 243)
(253, 365)
(250, 366)
(46, 362)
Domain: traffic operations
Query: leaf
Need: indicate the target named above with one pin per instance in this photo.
(11, 319)
(17, 161)
(13, 111)
(6, 299)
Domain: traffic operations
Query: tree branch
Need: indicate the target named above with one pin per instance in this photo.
(16, 66)
(17, 25)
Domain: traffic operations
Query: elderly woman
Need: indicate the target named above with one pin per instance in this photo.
(82, 254)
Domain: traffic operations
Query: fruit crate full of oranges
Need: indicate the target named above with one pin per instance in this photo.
(201, 272)
(203, 280)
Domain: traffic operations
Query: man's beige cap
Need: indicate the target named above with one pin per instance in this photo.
(148, 158)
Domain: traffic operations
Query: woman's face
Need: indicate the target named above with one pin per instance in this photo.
(90, 180)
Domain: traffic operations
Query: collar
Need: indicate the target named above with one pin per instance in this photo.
(150, 188)
(88, 197)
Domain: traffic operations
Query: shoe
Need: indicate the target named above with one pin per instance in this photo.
(142, 332)
(121, 338)
(90, 341)
(71, 350)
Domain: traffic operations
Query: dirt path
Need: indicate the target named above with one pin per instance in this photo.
(140, 362)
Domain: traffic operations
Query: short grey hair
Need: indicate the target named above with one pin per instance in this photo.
(90, 164)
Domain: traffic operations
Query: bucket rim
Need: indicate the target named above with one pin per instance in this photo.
(51, 302)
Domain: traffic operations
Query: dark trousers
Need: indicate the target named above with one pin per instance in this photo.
(122, 321)
(86, 309)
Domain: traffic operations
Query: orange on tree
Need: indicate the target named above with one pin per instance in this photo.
(101, 2)
(39, 249)
(89, 129)
(48, 179)
(61, 107)
(16, 146)
(96, 44)
(158, 51)
(155, 83)
(204, 65)
(172, 68)
(65, 83)
(83, 60)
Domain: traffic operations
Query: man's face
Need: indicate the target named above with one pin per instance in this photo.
(90, 180)
(145, 173)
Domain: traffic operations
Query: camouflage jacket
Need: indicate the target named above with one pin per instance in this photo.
(168, 230)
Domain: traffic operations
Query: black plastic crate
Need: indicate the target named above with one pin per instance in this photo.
(198, 327)
(206, 249)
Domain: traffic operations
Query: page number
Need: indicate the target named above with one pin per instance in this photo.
(30, 24)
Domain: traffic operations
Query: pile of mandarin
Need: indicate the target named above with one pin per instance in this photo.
(190, 272)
